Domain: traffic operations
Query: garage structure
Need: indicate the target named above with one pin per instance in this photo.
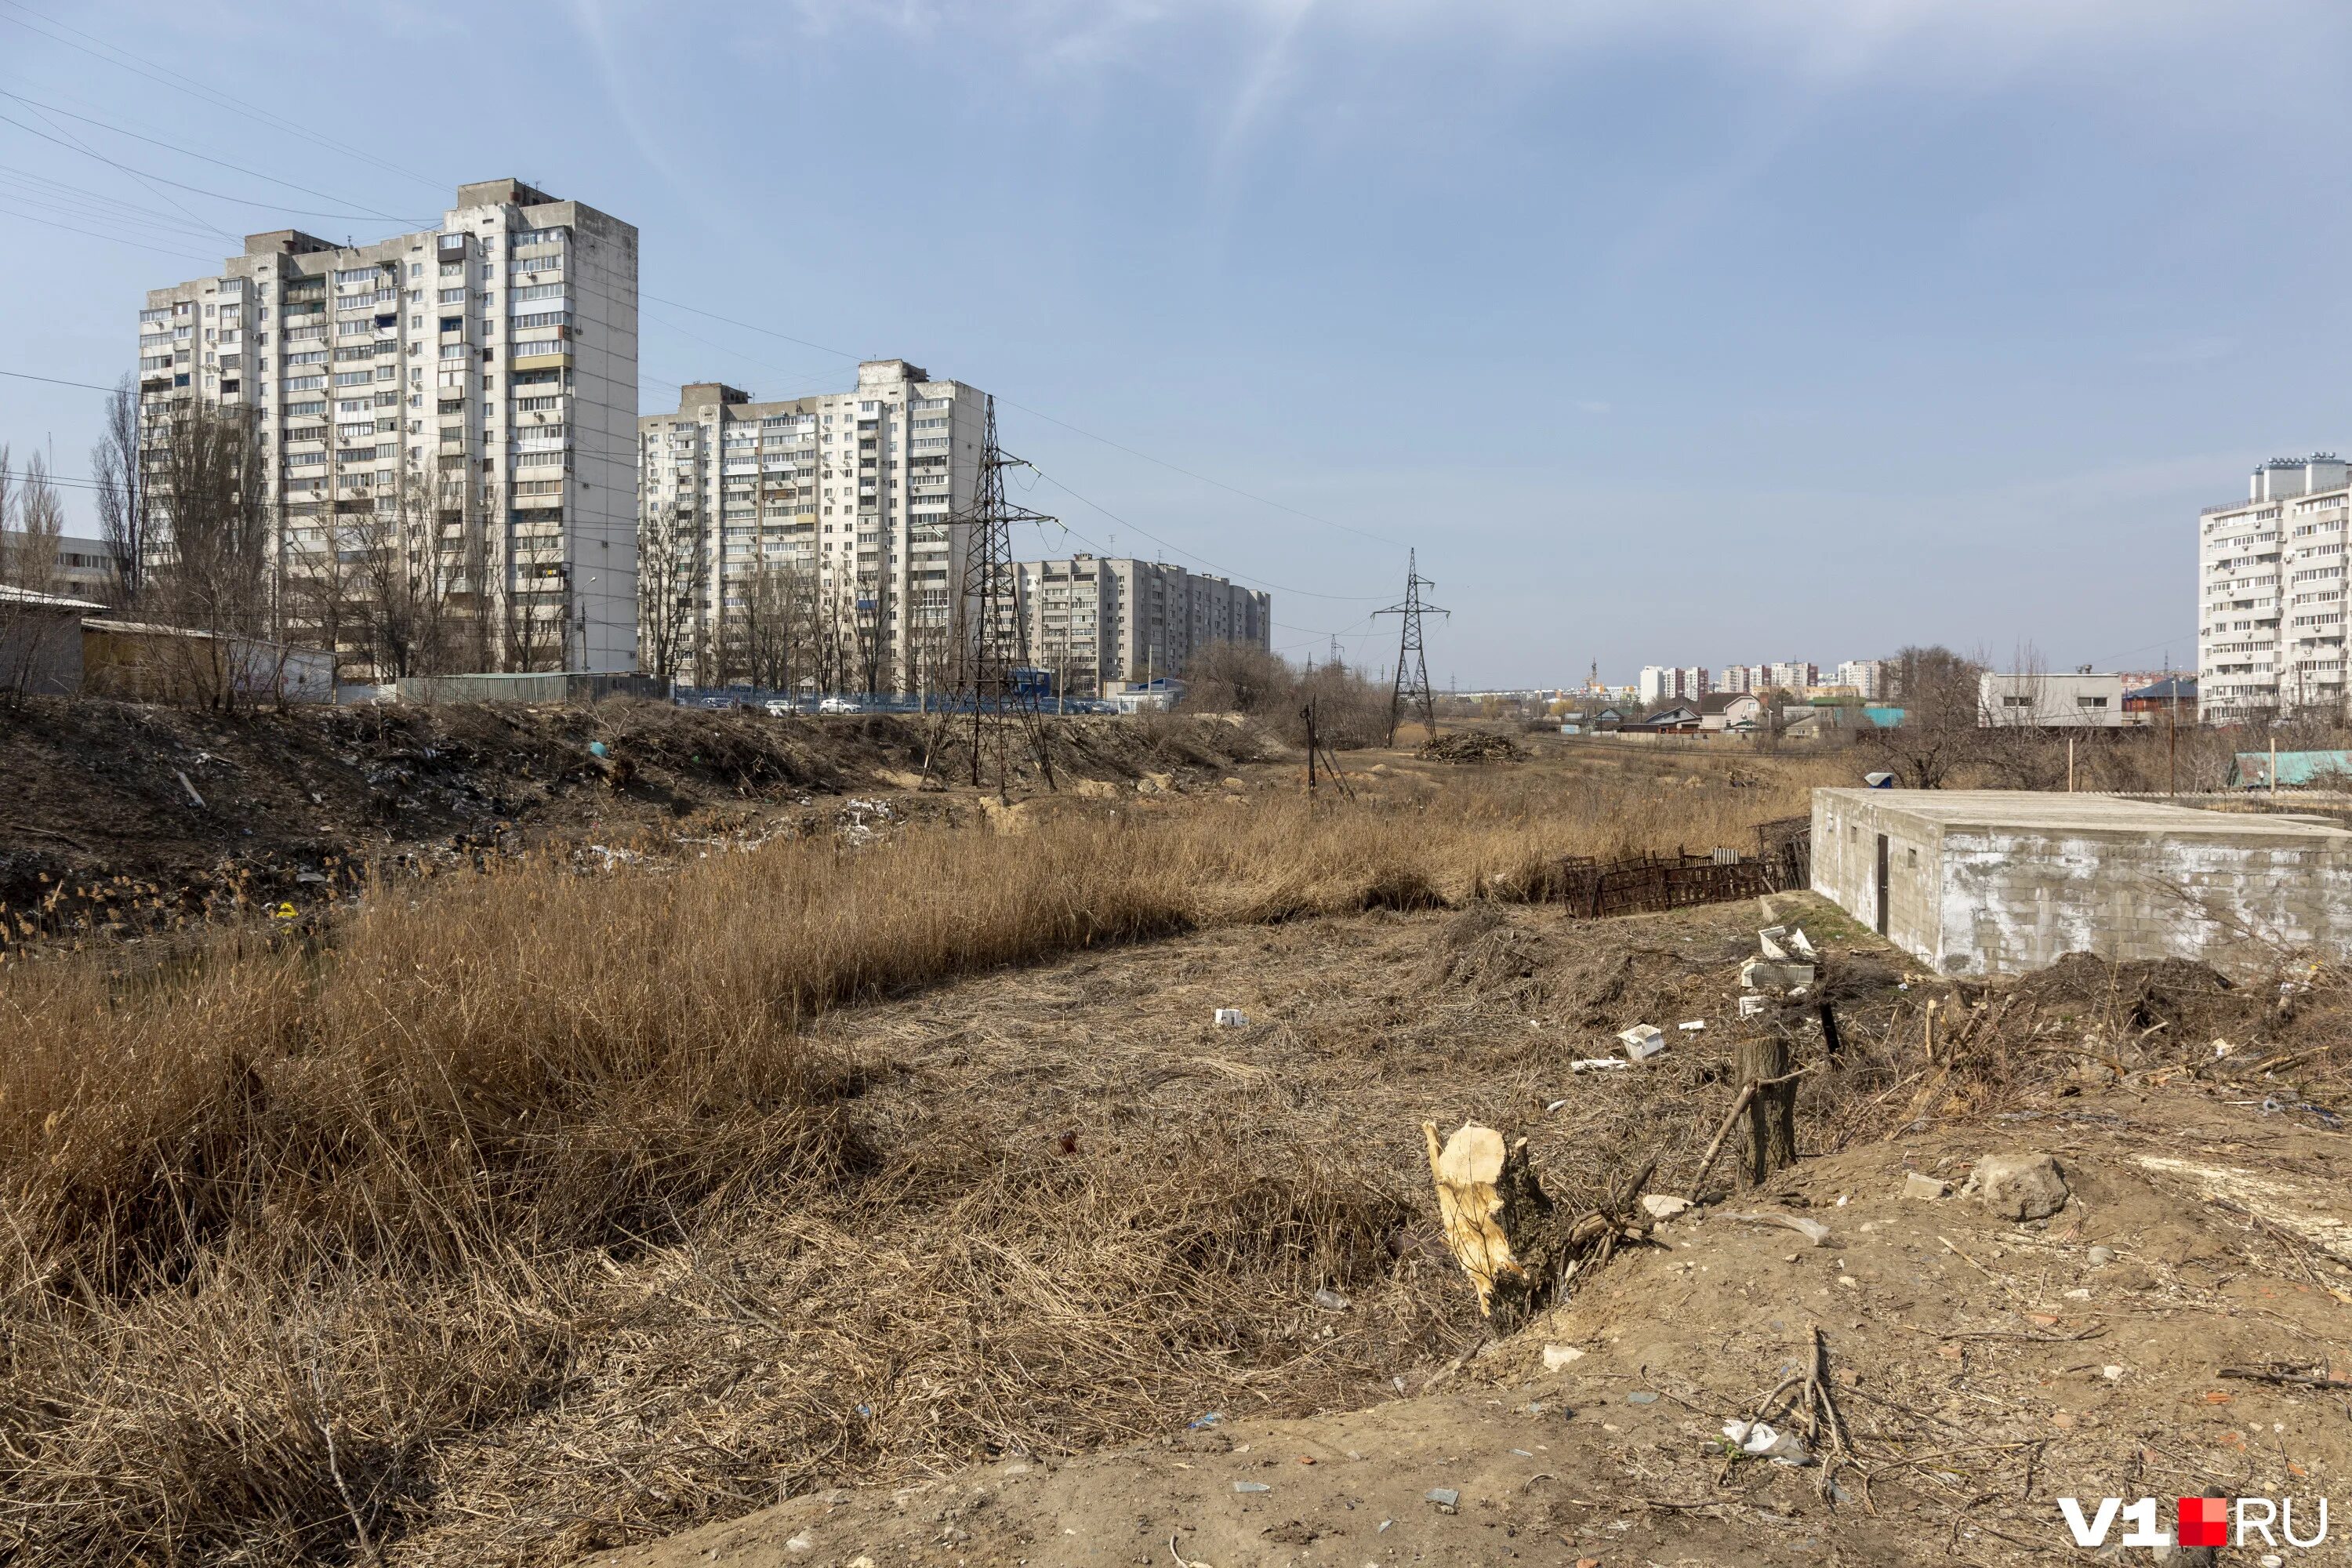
(2002, 881)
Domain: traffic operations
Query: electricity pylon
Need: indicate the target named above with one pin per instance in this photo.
(994, 644)
(1413, 669)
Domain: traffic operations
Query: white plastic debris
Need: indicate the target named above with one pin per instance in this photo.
(1599, 1064)
(1642, 1041)
(1663, 1206)
(1752, 1006)
(1762, 975)
(1330, 1300)
(1232, 1018)
(1558, 1356)
(1800, 943)
(1762, 1440)
(1445, 1499)
(1555, 1105)
(1693, 1026)
(1251, 1486)
(1767, 941)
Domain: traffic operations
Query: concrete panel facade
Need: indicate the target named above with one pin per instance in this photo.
(2000, 881)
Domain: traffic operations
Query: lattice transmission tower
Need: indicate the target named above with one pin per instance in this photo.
(1412, 688)
(993, 640)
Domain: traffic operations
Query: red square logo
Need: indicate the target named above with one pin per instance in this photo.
(2204, 1521)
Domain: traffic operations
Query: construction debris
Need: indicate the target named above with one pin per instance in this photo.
(1919, 1184)
(1471, 746)
(1763, 974)
(1232, 1018)
(1642, 1041)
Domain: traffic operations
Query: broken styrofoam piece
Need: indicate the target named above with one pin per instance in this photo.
(1558, 1356)
(1663, 1206)
(1331, 1301)
(1642, 1041)
(1752, 1006)
(1761, 1440)
(1232, 1018)
(1919, 1184)
(1599, 1064)
(1768, 942)
(1800, 944)
(1693, 1026)
(1762, 975)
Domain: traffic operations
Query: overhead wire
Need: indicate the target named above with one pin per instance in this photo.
(179, 184)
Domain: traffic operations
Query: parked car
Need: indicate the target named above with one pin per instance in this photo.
(840, 705)
(778, 708)
(717, 703)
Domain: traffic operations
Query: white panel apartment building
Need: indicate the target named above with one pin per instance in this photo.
(2270, 593)
(853, 489)
(1094, 622)
(496, 354)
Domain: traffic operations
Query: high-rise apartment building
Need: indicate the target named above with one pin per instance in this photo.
(2270, 592)
(843, 503)
(1668, 683)
(481, 375)
(1867, 676)
(1092, 622)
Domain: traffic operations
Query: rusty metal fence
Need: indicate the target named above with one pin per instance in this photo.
(1646, 884)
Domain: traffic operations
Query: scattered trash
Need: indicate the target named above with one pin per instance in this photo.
(1812, 1230)
(1800, 944)
(1232, 1018)
(1202, 1423)
(2222, 1048)
(1331, 1301)
(1384, 1526)
(1752, 1006)
(1470, 746)
(1446, 1499)
(1919, 1184)
(1663, 1206)
(598, 748)
(1693, 1028)
(1642, 1041)
(2018, 1187)
(1762, 975)
(2100, 1257)
(185, 785)
(1598, 1064)
(801, 1543)
(1558, 1356)
(1767, 941)
(1251, 1486)
(1555, 1105)
(1642, 1397)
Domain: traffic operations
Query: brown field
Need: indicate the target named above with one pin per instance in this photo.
(538, 1208)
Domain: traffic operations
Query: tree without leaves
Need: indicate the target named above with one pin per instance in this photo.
(1939, 693)
(122, 501)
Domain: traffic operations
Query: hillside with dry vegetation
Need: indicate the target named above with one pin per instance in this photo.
(543, 1201)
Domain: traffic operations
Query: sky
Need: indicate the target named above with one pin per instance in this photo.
(1666, 331)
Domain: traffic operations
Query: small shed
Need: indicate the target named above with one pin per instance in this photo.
(2002, 881)
(40, 642)
(141, 661)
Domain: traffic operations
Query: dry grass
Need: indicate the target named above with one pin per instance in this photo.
(290, 1225)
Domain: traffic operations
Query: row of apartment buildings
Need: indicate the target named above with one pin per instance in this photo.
(2270, 592)
(1863, 678)
(481, 377)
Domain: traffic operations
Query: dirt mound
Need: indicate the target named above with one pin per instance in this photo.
(1471, 746)
(1482, 950)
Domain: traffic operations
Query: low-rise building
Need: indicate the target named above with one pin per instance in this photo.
(2035, 701)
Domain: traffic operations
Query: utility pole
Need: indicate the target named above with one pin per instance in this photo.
(994, 648)
(1412, 667)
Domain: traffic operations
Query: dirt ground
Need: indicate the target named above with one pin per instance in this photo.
(1983, 1368)
(129, 807)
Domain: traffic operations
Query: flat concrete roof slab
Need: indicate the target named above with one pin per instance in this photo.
(2035, 811)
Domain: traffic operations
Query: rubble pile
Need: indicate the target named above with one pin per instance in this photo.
(1471, 746)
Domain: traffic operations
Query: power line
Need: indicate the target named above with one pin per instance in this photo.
(189, 153)
(1238, 577)
(93, 234)
(196, 89)
(181, 184)
(53, 380)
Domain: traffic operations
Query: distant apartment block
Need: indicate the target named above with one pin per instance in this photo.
(854, 495)
(1867, 677)
(1668, 683)
(2270, 592)
(1095, 622)
(491, 363)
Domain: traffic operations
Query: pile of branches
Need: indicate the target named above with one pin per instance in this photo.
(1471, 746)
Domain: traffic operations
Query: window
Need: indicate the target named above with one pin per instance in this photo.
(452, 323)
(2084, 700)
(417, 269)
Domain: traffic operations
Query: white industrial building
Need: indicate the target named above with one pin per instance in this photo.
(852, 493)
(2002, 881)
(1094, 623)
(2270, 593)
(490, 361)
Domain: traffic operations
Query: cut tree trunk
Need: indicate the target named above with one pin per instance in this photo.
(1769, 1141)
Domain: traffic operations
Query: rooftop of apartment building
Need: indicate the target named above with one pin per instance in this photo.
(872, 373)
(2287, 479)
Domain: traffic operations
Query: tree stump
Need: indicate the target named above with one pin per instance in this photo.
(1500, 1225)
(1769, 1133)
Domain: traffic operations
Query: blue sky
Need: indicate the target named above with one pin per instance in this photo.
(1668, 331)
